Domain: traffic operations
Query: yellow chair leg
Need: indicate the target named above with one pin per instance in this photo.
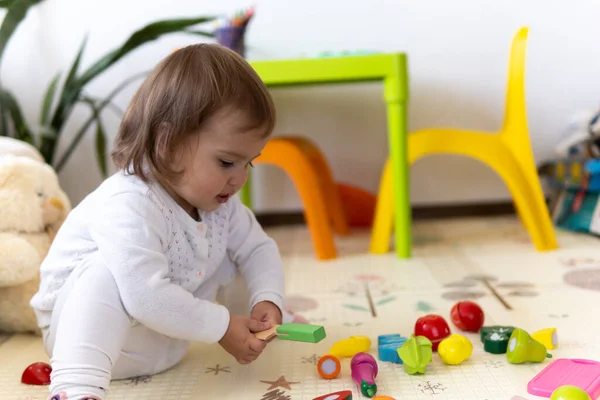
(384, 213)
(530, 213)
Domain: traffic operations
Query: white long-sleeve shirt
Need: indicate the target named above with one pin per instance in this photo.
(159, 256)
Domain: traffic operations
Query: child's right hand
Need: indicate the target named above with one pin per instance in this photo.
(239, 340)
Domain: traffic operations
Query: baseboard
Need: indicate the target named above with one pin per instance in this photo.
(418, 213)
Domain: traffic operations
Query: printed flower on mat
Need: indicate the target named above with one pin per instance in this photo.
(580, 262)
(369, 277)
(473, 287)
(588, 279)
(297, 303)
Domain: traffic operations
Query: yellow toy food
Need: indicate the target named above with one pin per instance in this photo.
(351, 346)
(455, 349)
(547, 337)
(329, 366)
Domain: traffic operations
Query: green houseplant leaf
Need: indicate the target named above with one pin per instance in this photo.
(10, 106)
(72, 88)
(48, 100)
(60, 100)
(146, 34)
(99, 106)
(67, 100)
(6, 3)
(100, 137)
(101, 147)
(16, 12)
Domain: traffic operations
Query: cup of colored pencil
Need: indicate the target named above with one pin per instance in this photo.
(231, 31)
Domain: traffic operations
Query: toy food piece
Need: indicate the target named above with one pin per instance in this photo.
(496, 343)
(581, 373)
(37, 374)
(508, 330)
(293, 331)
(342, 395)
(522, 348)
(364, 370)
(383, 398)
(329, 366)
(455, 349)
(467, 316)
(433, 327)
(415, 353)
(570, 392)
(388, 346)
(547, 337)
(349, 347)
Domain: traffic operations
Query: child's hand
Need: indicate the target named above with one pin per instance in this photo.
(239, 340)
(266, 311)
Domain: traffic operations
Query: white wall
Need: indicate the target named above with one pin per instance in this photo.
(457, 54)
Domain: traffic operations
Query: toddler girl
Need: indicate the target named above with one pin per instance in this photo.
(133, 274)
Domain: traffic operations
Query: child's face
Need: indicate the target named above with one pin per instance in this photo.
(216, 161)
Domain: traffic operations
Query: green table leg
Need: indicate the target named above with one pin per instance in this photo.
(246, 192)
(398, 143)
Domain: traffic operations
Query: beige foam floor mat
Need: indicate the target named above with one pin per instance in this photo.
(490, 261)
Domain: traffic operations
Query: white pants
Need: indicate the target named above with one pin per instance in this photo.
(91, 338)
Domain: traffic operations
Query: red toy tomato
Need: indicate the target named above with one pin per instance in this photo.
(433, 327)
(467, 316)
(37, 374)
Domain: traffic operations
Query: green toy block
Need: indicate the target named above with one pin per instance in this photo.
(416, 353)
(301, 332)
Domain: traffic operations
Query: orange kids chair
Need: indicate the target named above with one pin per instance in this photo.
(508, 152)
(304, 163)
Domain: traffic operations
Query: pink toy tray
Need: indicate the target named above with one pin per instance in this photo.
(584, 374)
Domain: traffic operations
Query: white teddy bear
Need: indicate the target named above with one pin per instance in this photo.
(16, 147)
(32, 209)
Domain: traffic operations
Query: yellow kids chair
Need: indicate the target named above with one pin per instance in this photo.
(508, 152)
(304, 163)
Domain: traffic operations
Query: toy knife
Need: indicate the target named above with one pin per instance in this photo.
(295, 332)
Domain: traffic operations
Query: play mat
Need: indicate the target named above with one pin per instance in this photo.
(489, 261)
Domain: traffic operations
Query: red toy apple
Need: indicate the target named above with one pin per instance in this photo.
(433, 327)
(467, 316)
(37, 374)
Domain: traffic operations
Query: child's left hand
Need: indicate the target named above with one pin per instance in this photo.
(265, 311)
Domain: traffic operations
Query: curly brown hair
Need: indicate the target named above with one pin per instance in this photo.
(186, 89)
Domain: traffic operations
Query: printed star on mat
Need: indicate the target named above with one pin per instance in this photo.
(494, 364)
(280, 382)
(314, 359)
(139, 379)
(431, 388)
(217, 369)
(276, 395)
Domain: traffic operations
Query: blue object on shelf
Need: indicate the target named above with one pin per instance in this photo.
(387, 347)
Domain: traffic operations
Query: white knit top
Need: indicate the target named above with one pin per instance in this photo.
(159, 256)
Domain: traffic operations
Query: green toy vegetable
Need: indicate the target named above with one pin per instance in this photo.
(415, 354)
(506, 330)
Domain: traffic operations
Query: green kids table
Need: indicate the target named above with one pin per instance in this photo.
(390, 69)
